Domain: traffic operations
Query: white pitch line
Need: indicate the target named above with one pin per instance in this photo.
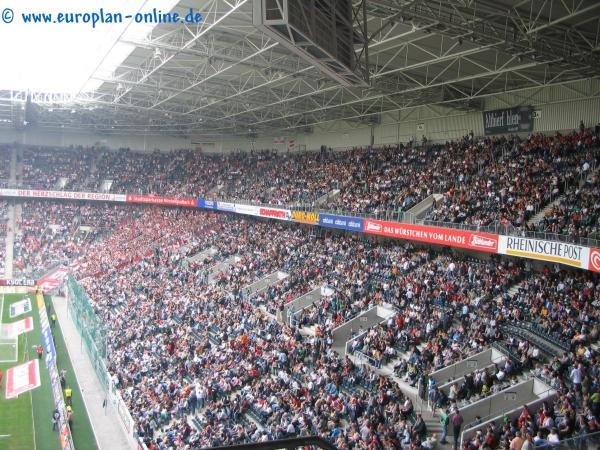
(32, 419)
(4, 436)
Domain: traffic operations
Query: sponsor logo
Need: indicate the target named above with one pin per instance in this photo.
(546, 250)
(481, 241)
(97, 196)
(169, 201)
(341, 222)
(305, 216)
(53, 280)
(595, 259)
(275, 213)
(17, 282)
(225, 206)
(371, 226)
(247, 209)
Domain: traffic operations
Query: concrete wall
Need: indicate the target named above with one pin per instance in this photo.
(302, 302)
(494, 406)
(467, 365)
(68, 138)
(261, 285)
(222, 266)
(420, 210)
(370, 318)
(541, 390)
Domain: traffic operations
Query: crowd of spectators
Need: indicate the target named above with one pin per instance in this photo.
(429, 299)
(484, 181)
(4, 165)
(49, 233)
(199, 362)
(564, 304)
(577, 213)
(213, 335)
(255, 176)
(3, 231)
(193, 338)
(55, 168)
(517, 178)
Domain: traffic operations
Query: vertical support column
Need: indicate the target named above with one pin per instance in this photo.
(372, 140)
(13, 167)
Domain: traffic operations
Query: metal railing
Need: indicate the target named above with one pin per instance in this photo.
(363, 357)
(588, 441)
(408, 218)
(543, 334)
(509, 230)
(405, 217)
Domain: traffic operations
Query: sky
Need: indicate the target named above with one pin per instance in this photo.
(61, 57)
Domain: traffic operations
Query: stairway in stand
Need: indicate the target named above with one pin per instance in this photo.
(537, 218)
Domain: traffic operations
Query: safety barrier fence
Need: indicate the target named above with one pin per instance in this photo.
(584, 441)
(93, 334)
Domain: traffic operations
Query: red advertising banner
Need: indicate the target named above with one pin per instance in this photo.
(22, 378)
(482, 242)
(594, 263)
(14, 329)
(275, 213)
(53, 279)
(166, 201)
(64, 437)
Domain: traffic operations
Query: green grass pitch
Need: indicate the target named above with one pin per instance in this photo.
(25, 422)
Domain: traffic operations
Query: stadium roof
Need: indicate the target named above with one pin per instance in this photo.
(224, 76)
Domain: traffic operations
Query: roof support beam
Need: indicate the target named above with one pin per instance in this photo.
(572, 14)
(204, 28)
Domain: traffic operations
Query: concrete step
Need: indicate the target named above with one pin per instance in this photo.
(511, 291)
(202, 255)
(420, 210)
(537, 218)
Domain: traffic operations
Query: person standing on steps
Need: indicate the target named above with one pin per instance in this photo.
(457, 421)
